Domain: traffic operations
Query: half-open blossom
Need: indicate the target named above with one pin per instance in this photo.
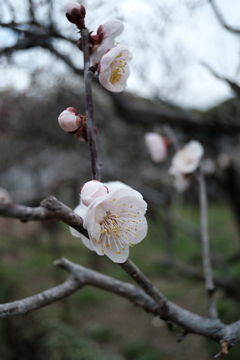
(114, 69)
(75, 13)
(188, 158)
(157, 146)
(181, 181)
(114, 221)
(69, 119)
(104, 40)
(91, 190)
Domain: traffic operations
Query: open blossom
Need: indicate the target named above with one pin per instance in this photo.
(104, 40)
(114, 69)
(188, 158)
(69, 119)
(157, 146)
(114, 221)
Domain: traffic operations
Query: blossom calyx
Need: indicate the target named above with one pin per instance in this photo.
(91, 190)
(75, 13)
(70, 120)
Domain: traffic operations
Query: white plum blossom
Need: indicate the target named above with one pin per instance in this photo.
(105, 39)
(187, 160)
(181, 181)
(156, 146)
(69, 119)
(114, 221)
(114, 69)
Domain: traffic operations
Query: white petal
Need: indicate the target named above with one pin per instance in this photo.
(112, 28)
(113, 254)
(101, 50)
(87, 243)
(81, 211)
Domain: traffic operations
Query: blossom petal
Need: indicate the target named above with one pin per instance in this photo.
(112, 28)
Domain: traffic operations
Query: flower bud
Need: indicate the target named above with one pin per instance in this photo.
(69, 119)
(92, 190)
(75, 13)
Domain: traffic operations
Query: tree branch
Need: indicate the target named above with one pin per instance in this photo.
(234, 86)
(213, 329)
(50, 208)
(88, 77)
(221, 19)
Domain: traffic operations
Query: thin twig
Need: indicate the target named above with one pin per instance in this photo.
(221, 19)
(88, 76)
(206, 256)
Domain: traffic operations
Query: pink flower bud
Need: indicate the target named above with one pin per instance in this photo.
(92, 190)
(69, 119)
(75, 13)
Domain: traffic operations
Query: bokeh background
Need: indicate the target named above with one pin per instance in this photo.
(184, 80)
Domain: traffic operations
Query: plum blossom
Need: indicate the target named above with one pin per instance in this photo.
(114, 220)
(185, 162)
(187, 159)
(104, 40)
(157, 146)
(69, 119)
(114, 69)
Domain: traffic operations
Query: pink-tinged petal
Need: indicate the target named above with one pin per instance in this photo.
(69, 121)
(156, 146)
(71, 5)
(112, 28)
(91, 190)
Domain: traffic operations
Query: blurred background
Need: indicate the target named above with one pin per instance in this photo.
(184, 81)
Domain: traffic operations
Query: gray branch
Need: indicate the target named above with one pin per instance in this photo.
(80, 276)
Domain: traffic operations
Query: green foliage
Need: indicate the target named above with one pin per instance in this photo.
(141, 350)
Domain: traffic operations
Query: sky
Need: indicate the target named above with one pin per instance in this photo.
(168, 38)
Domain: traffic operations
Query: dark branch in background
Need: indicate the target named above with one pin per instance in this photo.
(234, 86)
(88, 77)
(221, 19)
(206, 256)
(147, 114)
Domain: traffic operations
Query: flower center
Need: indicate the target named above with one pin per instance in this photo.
(117, 69)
